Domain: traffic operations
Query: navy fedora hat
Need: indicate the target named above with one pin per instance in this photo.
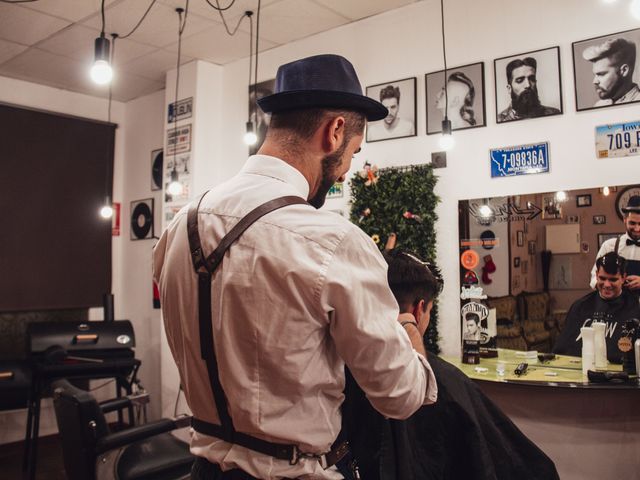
(633, 205)
(321, 81)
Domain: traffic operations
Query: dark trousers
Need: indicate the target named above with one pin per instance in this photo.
(203, 469)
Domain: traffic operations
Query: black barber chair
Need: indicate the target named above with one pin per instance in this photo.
(90, 451)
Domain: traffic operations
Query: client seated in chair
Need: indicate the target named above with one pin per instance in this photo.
(609, 303)
(463, 435)
(90, 451)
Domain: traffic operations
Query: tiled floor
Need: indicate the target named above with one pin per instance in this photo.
(50, 464)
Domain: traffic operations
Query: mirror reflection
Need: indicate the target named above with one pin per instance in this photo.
(537, 256)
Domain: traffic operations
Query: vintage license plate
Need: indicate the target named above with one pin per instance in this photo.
(618, 140)
(520, 160)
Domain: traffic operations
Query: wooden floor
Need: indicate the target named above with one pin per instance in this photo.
(50, 465)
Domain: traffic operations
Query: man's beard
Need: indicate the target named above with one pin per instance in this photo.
(632, 234)
(527, 103)
(329, 165)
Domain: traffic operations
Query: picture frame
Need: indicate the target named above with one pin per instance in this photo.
(603, 237)
(259, 118)
(573, 218)
(142, 219)
(157, 161)
(399, 96)
(588, 58)
(520, 238)
(599, 219)
(540, 67)
(551, 208)
(532, 247)
(583, 201)
(516, 262)
(465, 96)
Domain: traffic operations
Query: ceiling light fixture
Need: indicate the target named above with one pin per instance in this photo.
(107, 209)
(250, 137)
(175, 187)
(446, 141)
(101, 72)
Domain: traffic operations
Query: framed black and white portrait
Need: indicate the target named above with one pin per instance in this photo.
(259, 119)
(528, 85)
(606, 70)
(399, 97)
(464, 100)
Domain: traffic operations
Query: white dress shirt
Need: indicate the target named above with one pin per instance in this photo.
(300, 293)
(629, 252)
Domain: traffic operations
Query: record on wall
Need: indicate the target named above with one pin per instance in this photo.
(157, 160)
(142, 219)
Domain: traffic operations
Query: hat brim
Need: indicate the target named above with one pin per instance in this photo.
(630, 209)
(301, 99)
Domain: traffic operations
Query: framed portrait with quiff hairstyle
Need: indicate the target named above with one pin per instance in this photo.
(528, 85)
(606, 70)
(399, 96)
(463, 100)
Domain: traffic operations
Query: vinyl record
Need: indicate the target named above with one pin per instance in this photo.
(157, 161)
(141, 220)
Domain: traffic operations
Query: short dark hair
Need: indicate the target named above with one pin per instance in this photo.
(390, 92)
(612, 263)
(472, 316)
(520, 62)
(412, 279)
(303, 123)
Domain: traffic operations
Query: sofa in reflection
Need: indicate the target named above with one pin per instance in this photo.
(524, 321)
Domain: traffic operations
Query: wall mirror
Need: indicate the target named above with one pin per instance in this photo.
(530, 288)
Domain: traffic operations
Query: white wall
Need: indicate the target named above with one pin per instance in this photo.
(406, 42)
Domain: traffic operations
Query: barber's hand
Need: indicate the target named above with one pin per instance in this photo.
(633, 282)
(415, 332)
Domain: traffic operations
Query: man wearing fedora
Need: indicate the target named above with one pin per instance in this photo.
(265, 297)
(626, 245)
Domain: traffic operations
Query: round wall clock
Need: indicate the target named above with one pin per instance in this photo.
(623, 198)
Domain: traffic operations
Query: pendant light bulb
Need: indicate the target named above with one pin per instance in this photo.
(101, 71)
(606, 191)
(175, 187)
(107, 209)
(446, 142)
(250, 137)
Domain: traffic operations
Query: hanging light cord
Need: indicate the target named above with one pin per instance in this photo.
(182, 23)
(140, 21)
(220, 9)
(251, 108)
(255, 70)
(112, 57)
(444, 56)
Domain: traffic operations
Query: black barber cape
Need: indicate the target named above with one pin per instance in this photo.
(462, 436)
(592, 308)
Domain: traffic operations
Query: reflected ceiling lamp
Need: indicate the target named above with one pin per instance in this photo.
(446, 141)
(101, 72)
(561, 196)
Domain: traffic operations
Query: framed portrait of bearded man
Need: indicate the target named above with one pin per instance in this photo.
(606, 70)
(528, 85)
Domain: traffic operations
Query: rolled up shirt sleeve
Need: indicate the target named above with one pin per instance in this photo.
(363, 324)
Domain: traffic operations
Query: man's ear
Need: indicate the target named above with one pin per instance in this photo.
(418, 309)
(333, 136)
(624, 70)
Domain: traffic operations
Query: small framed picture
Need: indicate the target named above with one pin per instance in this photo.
(399, 97)
(520, 238)
(157, 160)
(573, 218)
(528, 85)
(464, 101)
(603, 237)
(516, 262)
(599, 219)
(532, 247)
(583, 200)
(551, 208)
(605, 70)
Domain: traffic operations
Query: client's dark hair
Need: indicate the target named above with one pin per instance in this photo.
(612, 263)
(412, 279)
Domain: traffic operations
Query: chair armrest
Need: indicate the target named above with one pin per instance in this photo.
(114, 404)
(134, 434)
